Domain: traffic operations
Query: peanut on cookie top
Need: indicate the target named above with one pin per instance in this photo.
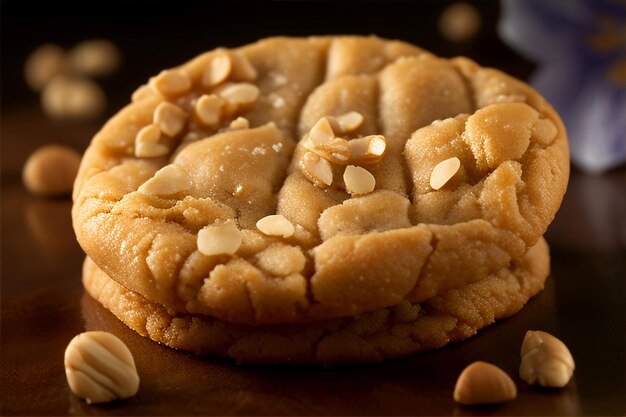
(339, 174)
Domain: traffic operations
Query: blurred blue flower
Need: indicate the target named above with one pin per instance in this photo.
(580, 49)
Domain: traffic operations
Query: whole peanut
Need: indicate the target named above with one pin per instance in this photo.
(51, 170)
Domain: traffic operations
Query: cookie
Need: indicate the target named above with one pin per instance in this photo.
(398, 331)
(236, 136)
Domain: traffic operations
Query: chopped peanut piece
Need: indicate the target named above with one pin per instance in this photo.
(323, 141)
(147, 143)
(143, 91)
(218, 71)
(321, 132)
(275, 225)
(334, 124)
(171, 83)
(242, 69)
(335, 151)
(350, 121)
(367, 150)
(358, 180)
(220, 238)
(241, 93)
(239, 124)
(150, 133)
(345, 123)
(443, 172)
(358, 148)
(377, 145)
(209, 108)
(170, 118)
(316, 169)
(169, 180)
(150, 150)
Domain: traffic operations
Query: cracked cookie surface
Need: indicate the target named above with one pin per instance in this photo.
(397, 331)
(180, 159)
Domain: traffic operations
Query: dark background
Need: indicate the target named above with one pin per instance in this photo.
(156, 34)
(43, 305)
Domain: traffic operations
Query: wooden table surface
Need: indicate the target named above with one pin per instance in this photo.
(43, 305)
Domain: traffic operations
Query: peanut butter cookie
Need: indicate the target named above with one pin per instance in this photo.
(303, 179)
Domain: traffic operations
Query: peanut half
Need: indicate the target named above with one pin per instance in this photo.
(100, 368)
(484, 383)
(275, 225)
(350, 121)
(358, 180)
(170, 118)
(171, 83)
(208, 109)
(218, 71)
(239, 94)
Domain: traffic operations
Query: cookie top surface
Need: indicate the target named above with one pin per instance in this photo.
(298, 179)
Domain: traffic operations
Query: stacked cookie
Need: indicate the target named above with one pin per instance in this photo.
(327, 199)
